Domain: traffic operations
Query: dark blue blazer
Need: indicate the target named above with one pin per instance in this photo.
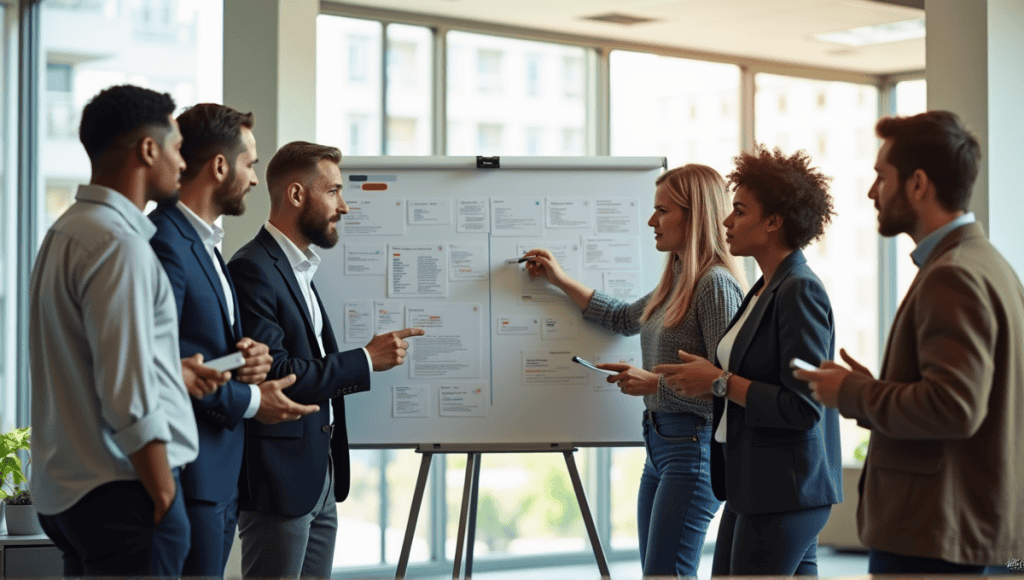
(204, 327)
(285, 464)
(782, 451)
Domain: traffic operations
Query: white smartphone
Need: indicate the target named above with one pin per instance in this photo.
(226, 363)
(592, 366)
(802, 364)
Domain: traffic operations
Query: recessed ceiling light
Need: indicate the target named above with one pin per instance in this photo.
(876, 34)
(619, 18)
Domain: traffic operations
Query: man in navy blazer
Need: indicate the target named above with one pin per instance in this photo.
(219, 150)
(296, 472)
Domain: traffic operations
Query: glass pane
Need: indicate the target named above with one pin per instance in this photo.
(527, 505)
(403, 467)
(8, 237)
(685, 110)
(93, 44)
(835, 123)
(911, 99)
(627, 464)
(515, 97)
(358, 542)
(348, 84)
(408, 74)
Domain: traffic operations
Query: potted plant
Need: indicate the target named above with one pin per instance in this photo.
(19, 512)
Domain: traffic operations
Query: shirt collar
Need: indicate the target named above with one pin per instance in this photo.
(926, 246)
(120, 203)
(210, 234)
(304, 262)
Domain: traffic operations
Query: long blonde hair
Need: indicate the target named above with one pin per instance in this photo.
(702, 190)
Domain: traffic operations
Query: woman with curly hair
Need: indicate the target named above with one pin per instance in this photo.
(775, 455)
(697, 296)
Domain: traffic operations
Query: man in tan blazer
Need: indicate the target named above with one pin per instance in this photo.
(942, 485)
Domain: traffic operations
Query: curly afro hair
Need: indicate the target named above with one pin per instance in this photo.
(788, 187)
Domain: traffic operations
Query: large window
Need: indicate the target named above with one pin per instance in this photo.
(685, 110)
(8, 227)
(911, 99)
(515, 97)
(172, 46)
(834, 122)
(354, 110)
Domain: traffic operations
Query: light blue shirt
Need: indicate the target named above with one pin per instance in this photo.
(927, 245)
(211, 235)
(103, 346)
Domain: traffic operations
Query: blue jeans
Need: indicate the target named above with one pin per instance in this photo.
(782, 543)
(110, 532)
(675, 504)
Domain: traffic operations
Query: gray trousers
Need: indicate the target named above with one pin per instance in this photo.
(276, 546)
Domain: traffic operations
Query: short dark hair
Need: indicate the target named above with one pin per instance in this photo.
(208, 130)
(788, 187)
(118, 111)
(296, 156)
(938, 143)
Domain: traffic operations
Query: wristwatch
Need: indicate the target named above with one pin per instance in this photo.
(720, 386)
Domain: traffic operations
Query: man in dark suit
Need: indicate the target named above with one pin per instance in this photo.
(295, 472)
(220, 151)
(941, 487)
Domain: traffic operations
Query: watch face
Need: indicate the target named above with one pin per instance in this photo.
(718, 387)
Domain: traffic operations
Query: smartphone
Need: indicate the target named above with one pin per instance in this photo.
(226, 363)
(592, 367)
(802, 364)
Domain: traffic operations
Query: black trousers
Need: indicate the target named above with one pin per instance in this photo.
(110, 532)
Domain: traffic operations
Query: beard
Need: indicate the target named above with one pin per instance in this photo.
(898, 217)
(229, 196)
(317, 229)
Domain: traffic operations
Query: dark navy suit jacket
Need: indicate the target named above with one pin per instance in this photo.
(285, 464)
(782, 450)
(204, 327)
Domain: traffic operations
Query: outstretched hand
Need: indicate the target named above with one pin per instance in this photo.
(276, 407)
(825, 382)
(691, 377)
(388, 350)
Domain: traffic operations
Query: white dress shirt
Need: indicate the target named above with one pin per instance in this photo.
(103, 346)
(211, 235)
(305, 264)
(724, 352)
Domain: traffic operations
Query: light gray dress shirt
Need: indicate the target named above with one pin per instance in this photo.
(211, 235)
(103, 346)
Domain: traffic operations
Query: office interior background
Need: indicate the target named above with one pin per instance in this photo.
(698, 83)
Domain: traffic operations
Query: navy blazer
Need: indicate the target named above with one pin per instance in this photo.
(782, 451)
(204, 327)
(286, 463)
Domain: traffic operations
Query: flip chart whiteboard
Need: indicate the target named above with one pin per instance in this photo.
(427, 243)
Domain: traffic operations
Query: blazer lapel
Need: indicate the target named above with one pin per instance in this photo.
(288, 274)
(203, 257)
(743, 339)
(330, 342)
(237, 328)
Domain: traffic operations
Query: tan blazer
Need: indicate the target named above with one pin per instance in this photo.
(944, 475)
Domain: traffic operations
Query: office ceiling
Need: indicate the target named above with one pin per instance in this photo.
(775, 30)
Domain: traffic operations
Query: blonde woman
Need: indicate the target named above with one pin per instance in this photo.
(689, 310)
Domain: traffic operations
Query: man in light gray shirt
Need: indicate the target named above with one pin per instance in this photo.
(111, 420)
